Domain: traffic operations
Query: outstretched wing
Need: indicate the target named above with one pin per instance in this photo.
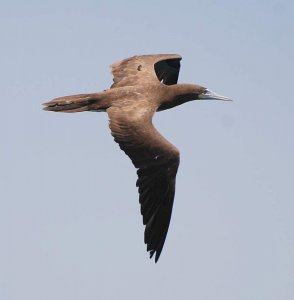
(157, 161)
(146, 68)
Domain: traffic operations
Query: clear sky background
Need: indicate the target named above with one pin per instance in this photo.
(70, 226)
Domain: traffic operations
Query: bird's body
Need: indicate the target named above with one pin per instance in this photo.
(143, 85)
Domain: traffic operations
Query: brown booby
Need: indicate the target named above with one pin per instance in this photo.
(143, 85)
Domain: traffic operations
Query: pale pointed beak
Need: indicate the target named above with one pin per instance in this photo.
(210, 95)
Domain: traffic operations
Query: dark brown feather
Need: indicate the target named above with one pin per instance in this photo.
(157, 161)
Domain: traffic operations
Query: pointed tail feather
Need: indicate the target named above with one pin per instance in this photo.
(76, 103)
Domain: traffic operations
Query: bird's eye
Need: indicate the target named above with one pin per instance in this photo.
(205, 91)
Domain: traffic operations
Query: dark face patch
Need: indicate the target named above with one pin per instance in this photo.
(139, 68)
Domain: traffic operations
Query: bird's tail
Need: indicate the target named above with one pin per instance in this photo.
(77, 103)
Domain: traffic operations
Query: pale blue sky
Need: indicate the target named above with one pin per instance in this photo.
(70, 226)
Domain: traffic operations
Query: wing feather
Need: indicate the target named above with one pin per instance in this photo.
(157, 161)
(146, 69)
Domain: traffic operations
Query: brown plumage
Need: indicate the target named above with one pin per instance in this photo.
(141, 86)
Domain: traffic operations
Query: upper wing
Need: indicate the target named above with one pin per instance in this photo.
(157, 161)
(146, 68)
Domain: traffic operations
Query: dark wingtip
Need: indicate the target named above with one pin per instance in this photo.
(157, 254)
(157, 257)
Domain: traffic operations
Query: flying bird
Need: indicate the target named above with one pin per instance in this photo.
(143, 85)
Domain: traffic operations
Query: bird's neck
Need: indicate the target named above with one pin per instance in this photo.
(179, 94)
